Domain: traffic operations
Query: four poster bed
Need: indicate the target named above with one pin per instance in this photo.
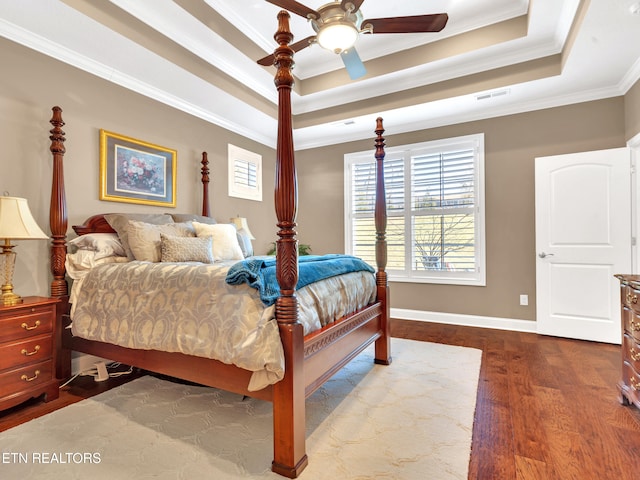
(309, 356)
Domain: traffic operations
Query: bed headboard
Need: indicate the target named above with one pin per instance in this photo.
(94, 224)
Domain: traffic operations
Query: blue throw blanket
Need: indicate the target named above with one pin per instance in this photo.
(260, 272)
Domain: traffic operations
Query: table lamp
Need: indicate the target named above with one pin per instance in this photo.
(16, 223)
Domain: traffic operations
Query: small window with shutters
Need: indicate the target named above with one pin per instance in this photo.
(435, 210)
(245, 174)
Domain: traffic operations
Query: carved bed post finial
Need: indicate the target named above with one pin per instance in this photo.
(58, 207)
(286, 188)
(205, 185)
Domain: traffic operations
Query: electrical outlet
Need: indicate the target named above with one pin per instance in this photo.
(524, 299)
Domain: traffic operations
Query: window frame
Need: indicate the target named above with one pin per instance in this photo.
(408, 274)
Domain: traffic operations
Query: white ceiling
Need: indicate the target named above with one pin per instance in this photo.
(542, 53)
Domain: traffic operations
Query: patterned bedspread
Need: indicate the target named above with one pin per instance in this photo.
(189, 308)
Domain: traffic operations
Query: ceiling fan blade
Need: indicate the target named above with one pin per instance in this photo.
(353, 64)
(414, 24)
(295, 7)
(356, 4)
(296, 47)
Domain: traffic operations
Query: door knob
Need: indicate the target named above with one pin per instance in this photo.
(543, 255)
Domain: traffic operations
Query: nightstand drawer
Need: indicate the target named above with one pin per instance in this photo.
(31, 322)
(631, 351)
(26, 377)
(632, 380)
(23, 352)
(630, 297)
(631, 323)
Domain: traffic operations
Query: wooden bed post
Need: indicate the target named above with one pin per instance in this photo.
(58, 225)
(383, 344)
(58, 208)
(205, 185)
(289, 433)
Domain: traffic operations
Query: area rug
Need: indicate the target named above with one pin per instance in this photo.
(411, 420)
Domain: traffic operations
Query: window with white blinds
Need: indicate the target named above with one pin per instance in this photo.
(245, 173)
(435, 210)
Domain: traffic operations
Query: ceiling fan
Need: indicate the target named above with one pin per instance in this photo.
(338, 25)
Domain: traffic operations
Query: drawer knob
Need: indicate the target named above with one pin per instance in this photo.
(37, 348)
(635, 326)
(632, 298)
(37, 372)
(27, 327)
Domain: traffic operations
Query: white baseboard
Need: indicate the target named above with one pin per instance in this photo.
(465, 320)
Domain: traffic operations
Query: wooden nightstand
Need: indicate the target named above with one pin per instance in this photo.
(28, 351)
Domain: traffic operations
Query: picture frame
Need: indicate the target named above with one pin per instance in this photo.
(134, 171)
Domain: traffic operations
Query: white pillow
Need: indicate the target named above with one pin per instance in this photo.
(103, 244)
(225, 242)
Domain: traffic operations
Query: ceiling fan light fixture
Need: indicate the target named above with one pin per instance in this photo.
(337, 36)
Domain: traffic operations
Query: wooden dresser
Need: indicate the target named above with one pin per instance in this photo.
(28, 351)
(629, 386)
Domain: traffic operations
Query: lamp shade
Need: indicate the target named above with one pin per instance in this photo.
(241, 224)
(16, 221)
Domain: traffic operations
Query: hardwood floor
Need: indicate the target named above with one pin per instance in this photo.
(547, 408)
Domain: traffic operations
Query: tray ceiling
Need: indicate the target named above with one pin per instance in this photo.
(494, 57)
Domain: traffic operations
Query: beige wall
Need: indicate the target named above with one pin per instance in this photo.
(511, 145)
(32, 83)
(632, 111)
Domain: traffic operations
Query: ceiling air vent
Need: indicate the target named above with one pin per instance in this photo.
(497, 93)
(343, 122)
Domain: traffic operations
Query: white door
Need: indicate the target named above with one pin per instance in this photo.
(583, 238)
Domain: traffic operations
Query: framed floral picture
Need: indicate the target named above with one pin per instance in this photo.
(134, 171)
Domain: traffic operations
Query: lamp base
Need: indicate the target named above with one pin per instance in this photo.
(10, 298)
(7, 265)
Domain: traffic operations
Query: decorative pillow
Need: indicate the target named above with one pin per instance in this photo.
(244, 240)
(144, 238)
(120, 223)
(103, 244)
(225, 241)
(192, 217)
(186, 249)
